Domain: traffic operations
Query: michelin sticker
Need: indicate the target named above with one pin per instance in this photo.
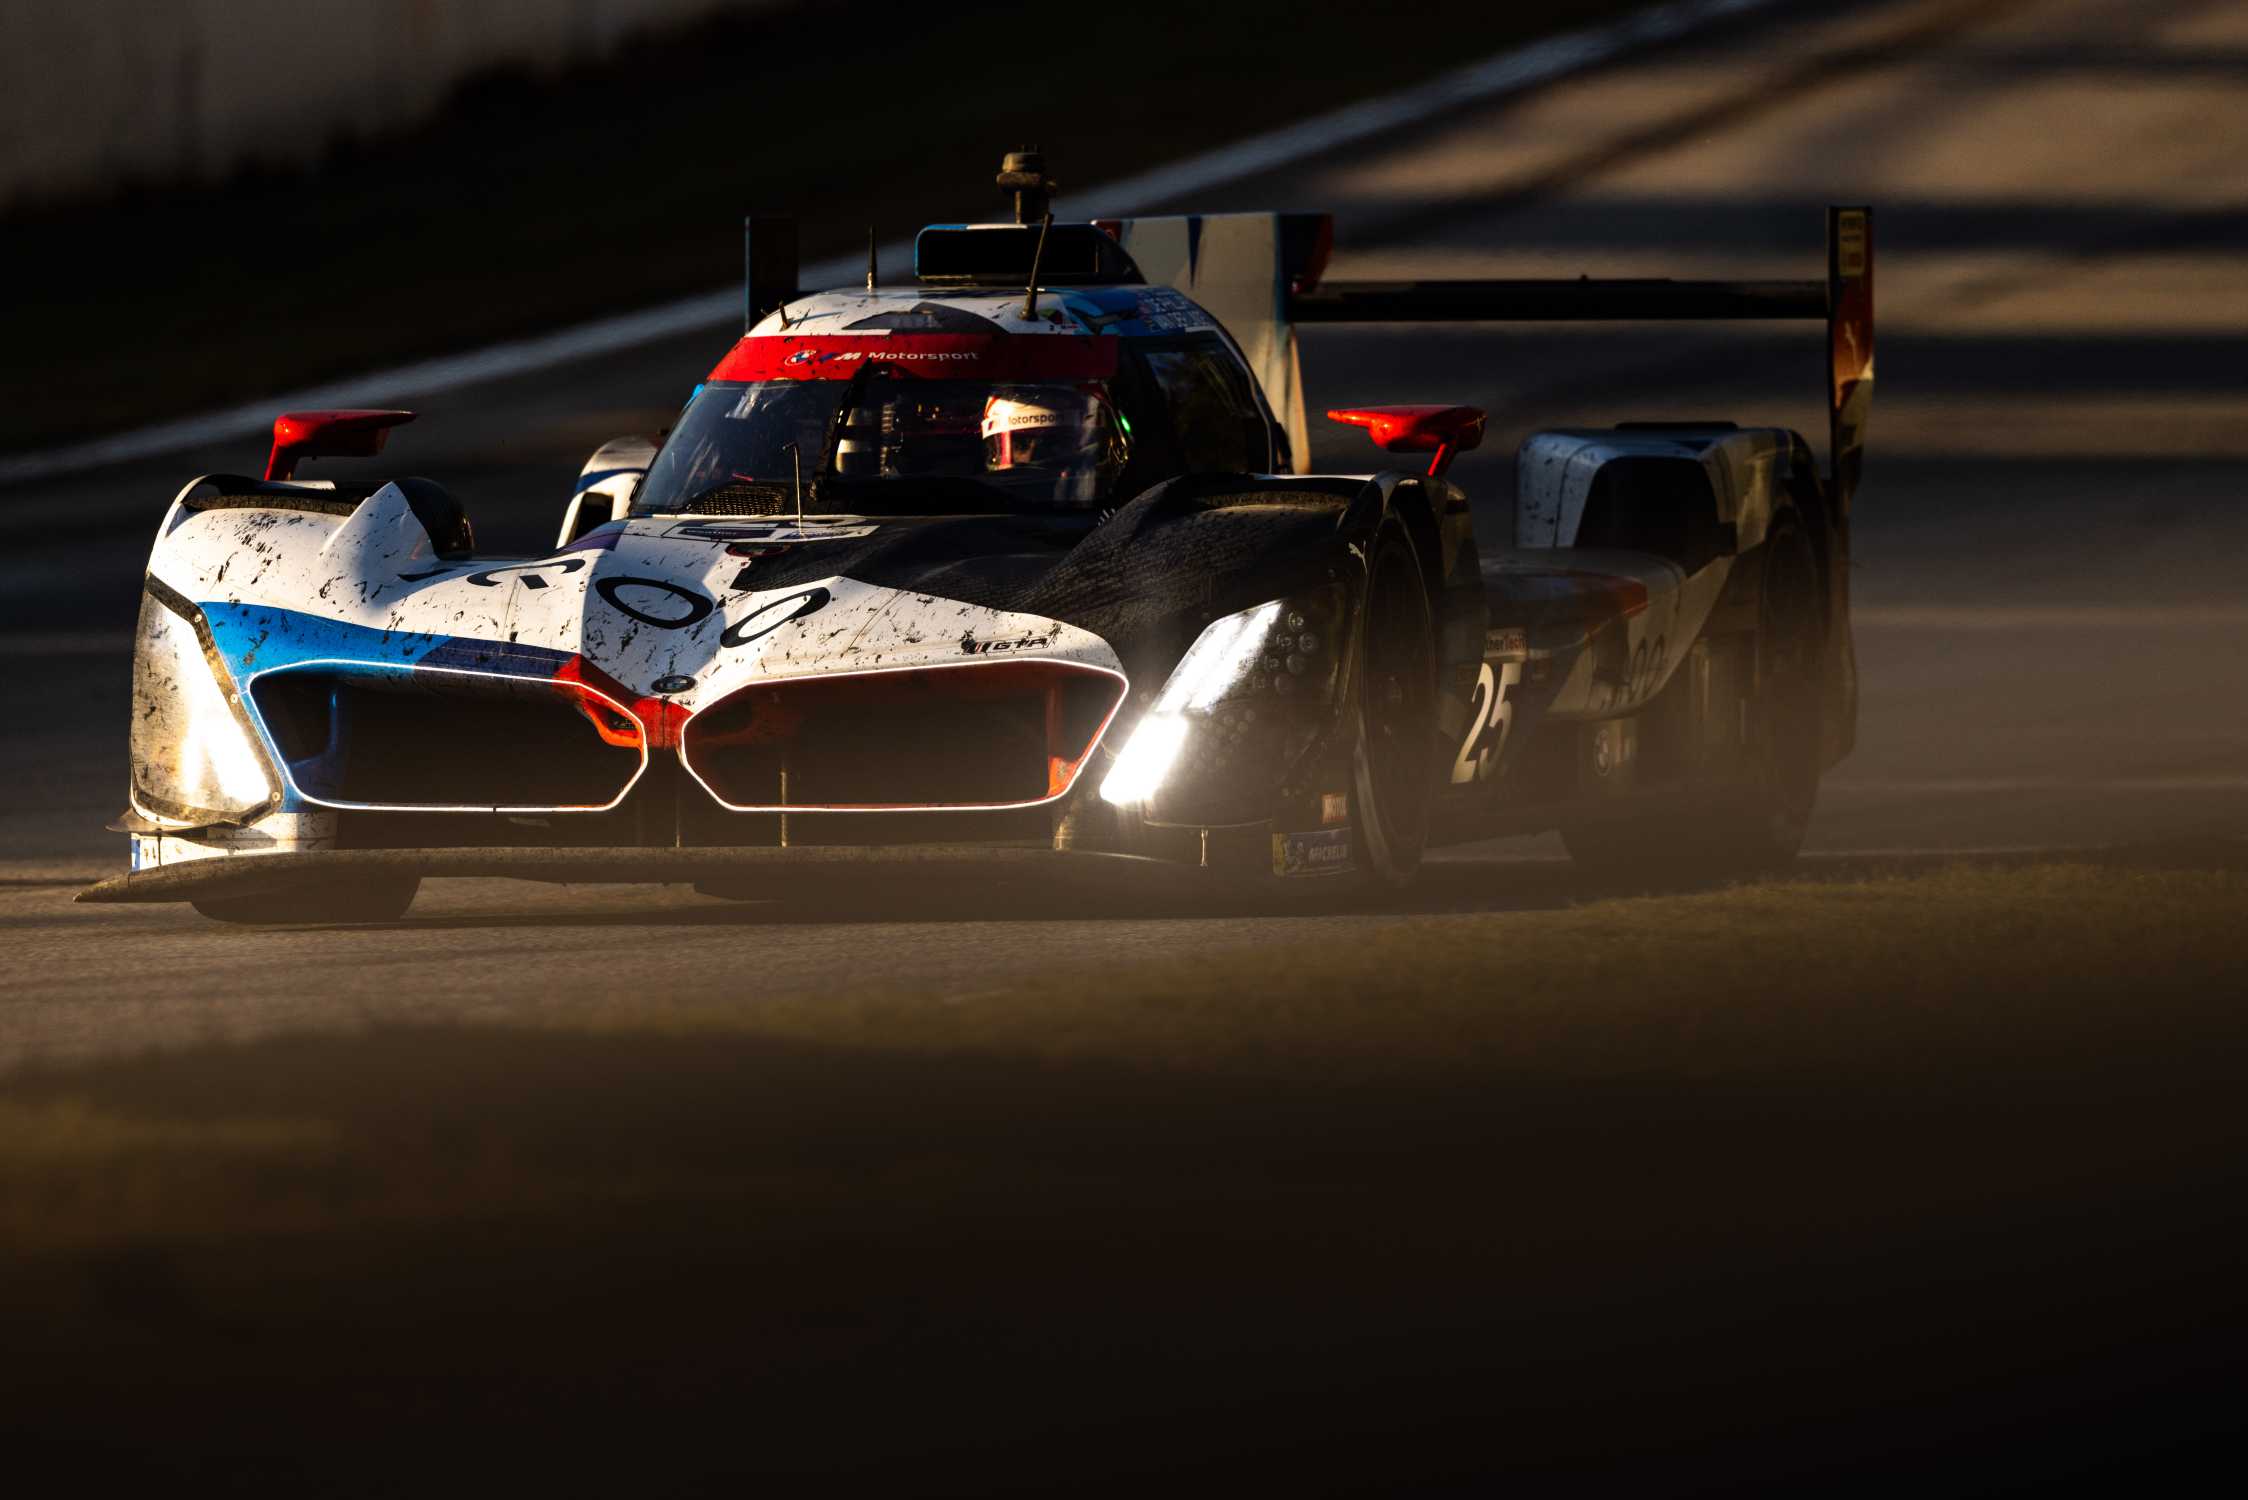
(1326, 852)
(1506, 645)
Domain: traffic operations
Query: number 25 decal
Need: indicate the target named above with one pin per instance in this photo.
(1488, 719)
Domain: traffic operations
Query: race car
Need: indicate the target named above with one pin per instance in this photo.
(1012, 568)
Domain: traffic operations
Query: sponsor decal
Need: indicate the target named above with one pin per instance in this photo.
(502, 658)
(1326, 852)
(921, 356)
(1614, 748)
(767, 533)
(1334, 809)
(1850, 242)
(1510, 644)
(831, 356)
(1163, 310)
(970, 646)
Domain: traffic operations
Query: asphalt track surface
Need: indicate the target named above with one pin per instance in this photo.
(2050, 538)
(2049, 541)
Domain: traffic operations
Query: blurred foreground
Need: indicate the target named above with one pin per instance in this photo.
(1901, 1173)
(1905, 1174)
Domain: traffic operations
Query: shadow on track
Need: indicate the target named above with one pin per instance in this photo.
(1444, 887)
(1974, 1257)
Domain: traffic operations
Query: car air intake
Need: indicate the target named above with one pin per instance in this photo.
(977, 735)
(745, 500)
(437, 739)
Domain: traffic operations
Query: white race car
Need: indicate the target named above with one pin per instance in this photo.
(1010, 567)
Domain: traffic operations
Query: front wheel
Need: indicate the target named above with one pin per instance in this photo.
(381, 898)
(1393, 715)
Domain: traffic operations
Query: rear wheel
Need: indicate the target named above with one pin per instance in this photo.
(1759, 824)
(1393, 754)
(379, 898)
(1764, 827)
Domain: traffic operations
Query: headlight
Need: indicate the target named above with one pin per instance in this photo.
(1275, 651)
(194, 760)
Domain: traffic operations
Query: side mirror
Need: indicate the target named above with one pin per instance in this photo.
(607, 484)
(1448, 430)
(299, 435)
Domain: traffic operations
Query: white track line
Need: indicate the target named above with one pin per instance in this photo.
(1999, 617)
(2075, 786)
(1493, 78)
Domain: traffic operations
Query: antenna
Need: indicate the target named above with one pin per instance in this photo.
(870, 257)
(1030, 296)
(769, 265)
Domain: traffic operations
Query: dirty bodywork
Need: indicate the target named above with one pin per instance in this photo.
(996, 565)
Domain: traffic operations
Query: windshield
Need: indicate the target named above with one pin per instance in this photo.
(873, 444)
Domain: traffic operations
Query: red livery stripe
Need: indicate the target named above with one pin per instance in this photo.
(926, 356)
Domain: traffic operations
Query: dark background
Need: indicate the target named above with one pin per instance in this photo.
(1917, 1170)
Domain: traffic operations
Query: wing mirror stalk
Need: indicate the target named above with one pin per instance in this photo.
(1448, 431)
(299, 435)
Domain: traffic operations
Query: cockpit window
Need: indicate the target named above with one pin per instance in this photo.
(876, 444)
(1215, 417)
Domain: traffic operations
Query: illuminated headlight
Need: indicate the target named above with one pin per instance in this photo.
(1231, 655)
(194, 760)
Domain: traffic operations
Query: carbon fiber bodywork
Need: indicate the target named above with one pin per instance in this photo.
(834, 614)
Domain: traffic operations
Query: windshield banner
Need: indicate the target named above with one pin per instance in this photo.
(923, 356)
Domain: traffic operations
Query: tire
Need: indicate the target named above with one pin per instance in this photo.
(1764, 828)
(1759, 826)
(373, 898)
(1393, 715)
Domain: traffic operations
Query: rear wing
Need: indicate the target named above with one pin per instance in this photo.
(1843, 300)
(1262, 274)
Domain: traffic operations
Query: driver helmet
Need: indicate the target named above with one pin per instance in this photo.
(1020, 431)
